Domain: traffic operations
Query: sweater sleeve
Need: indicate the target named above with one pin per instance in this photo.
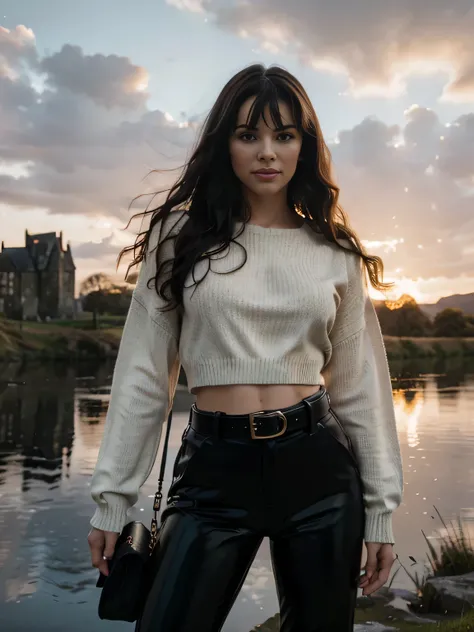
(143, 386)
(357, 378)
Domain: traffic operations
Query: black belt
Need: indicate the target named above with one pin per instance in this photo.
(263, 424)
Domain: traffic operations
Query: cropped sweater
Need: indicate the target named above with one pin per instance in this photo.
(296, 312)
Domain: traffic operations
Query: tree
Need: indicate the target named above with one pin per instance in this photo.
(403, 318)
(101, 295)
(450, 322)
(97, 282)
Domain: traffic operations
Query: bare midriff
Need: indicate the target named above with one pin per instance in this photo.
(241, 399)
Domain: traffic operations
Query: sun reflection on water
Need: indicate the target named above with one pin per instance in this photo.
(408, 411)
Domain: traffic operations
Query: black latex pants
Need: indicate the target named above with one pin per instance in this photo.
(301, 490)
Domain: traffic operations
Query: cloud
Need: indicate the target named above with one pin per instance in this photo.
(86, 136)
(377, 44)
(95, 250)
(195, 6)
(409, 191)
(16, 47)
(110, 80)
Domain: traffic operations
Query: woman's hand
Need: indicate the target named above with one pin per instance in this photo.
(380, 558)
(102, 546)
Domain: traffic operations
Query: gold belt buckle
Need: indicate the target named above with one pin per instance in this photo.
(276, 413)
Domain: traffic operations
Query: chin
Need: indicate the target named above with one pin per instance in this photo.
(266, 188)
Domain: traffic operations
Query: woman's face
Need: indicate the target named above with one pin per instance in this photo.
(265, 159)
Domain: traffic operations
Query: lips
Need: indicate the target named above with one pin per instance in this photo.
(267, 171)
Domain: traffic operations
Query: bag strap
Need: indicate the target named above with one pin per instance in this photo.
(159, 494)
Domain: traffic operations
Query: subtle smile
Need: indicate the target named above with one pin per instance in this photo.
(266, 174)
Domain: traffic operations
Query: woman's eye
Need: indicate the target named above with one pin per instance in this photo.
(283, 136)
(246, 136)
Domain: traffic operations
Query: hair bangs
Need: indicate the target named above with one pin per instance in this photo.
(270, 96)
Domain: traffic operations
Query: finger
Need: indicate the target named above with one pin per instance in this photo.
(383, 575)
(104, 566)
(107, 553)
(385, 565)
(363, 579)
(110, 542)
(371, 586)
(375, 585)
(97, 551)
(379, 578)
(371, 564)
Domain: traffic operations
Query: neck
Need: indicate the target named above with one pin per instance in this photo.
(271, 210)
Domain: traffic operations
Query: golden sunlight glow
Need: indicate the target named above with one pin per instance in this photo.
(407, 286)
(138, 82)
(387, 245)
(404, 299)
(402, 287)
(408, 415)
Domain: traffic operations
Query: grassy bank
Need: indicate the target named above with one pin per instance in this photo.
(363, 615)
(78, 338)
(56, 341)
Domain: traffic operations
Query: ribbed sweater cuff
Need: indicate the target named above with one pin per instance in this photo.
(111, 516)
(378, 528)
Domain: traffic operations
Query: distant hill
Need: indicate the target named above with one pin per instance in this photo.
(461, 301)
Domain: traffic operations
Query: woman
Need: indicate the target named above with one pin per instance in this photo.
(254, 282)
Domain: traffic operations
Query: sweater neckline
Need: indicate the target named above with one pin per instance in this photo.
(270, 230)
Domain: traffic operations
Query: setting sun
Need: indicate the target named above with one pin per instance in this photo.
(406, 286)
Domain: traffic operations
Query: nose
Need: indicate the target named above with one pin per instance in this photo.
(266, 151)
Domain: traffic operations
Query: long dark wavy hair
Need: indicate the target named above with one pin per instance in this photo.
(212, 197)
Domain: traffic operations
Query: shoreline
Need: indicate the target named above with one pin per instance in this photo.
(410, 348)
(70, 343)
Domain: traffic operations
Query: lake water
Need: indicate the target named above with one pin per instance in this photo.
(51, 423)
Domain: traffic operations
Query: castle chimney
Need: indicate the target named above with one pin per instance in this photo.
(3, 245)
(61, 240)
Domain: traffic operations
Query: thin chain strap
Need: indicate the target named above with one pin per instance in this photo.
(159, 494)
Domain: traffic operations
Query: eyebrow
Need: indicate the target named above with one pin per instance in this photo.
(254, 129)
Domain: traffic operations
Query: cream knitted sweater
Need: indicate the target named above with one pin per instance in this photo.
(297, 312)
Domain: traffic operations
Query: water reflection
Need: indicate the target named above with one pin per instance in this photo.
(408, 407)
(51, 424)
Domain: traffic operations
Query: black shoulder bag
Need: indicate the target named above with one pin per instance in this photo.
(125, 589)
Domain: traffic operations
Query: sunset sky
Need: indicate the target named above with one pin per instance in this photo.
(95, 94)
